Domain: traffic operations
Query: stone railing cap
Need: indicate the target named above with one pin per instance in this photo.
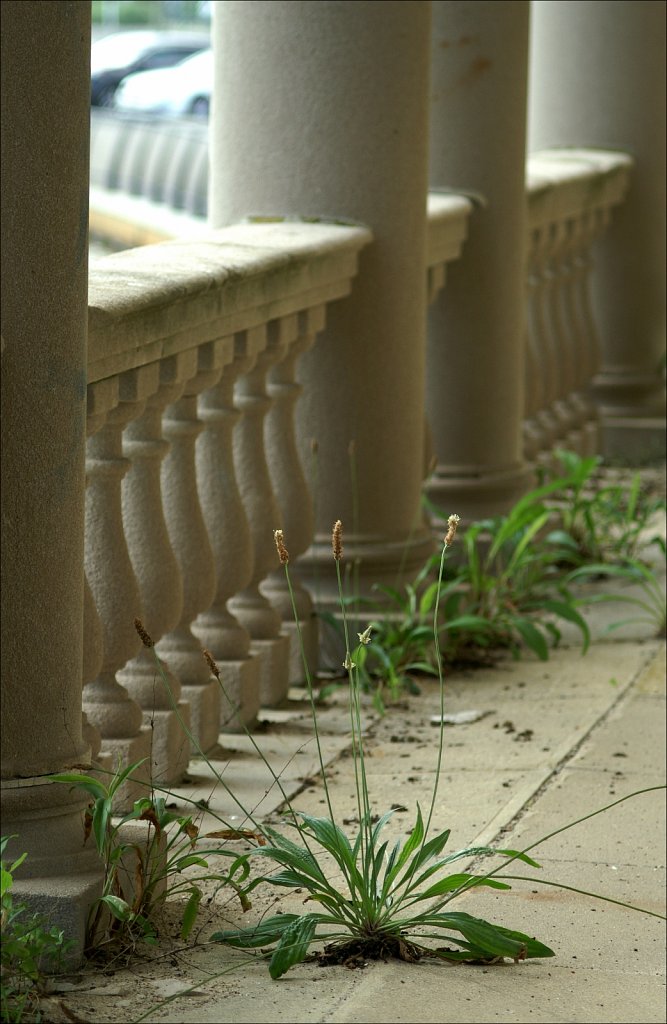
(156, 300)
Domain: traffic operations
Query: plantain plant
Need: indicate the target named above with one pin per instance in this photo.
(386, 898)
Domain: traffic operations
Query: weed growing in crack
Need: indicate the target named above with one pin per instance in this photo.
(140, 872)
(31, 946)
(393, 897)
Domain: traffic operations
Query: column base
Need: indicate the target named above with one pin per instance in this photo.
(274, 657)
(367, 565)
(240, 680)
(310, 636)
(64, 901)
(204, 704)
(170, 745)
(60, 878)
(633, 440)
(123, 752)
(477, 495)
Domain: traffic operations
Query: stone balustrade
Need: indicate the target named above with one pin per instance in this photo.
(447, 227)
(191, 356)
(570, 196)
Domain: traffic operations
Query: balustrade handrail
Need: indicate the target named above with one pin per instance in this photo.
(567, 182)
(159, 300)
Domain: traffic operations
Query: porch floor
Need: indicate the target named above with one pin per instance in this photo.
(553, 741)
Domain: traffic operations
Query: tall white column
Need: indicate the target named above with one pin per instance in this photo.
(597, 79)
(321, 111)
(45, 95)
(476, 342)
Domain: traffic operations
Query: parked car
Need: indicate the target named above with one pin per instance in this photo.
(122, 53)
(183, 89)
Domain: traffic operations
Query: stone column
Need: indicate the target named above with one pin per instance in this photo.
(476, 340)
(45, 116)
(320, 111)
(597, 79)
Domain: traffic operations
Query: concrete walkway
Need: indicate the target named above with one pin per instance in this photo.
(553, 742)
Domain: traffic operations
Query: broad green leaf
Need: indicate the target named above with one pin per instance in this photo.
(293, 945)
(527, 537)
(118, 907)
(301, 861)
(532, 637)
(430, 849)
(187, 861)
(329, 835)
(84, 782)
(567, 611)
(264, 933)
(190, 913)
(293, 880)
(533, 947)
(514, 523)
(453, 882)
(413, 841)
(301, 858)
(101, 818)
(380, 823)
(428, 598)
(562, 539)
(486, 936)
(473, 623)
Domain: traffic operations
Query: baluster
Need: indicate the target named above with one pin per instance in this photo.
(593, 224)
(552, 274)
(113, 585)
(191, 545)
(101, 398)
(93, 656)
(157, 570)
(546, 418)
(229, 534)
(291, 490)
(568, 335)
(249, 605)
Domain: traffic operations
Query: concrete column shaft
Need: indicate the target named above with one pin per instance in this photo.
(45, 104)
(476, 348)
(320, 111)
(597, 79)
(45, 101)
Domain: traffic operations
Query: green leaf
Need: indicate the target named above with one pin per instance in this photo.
(428, 598)
(474, 623)
(84, 782)
(180, 863)
(293, 945)
(488, 937)
(532, 637)
(567, 611)
(264, 933)
(284, 851)
(118, 907)
(190, 912)
(101, 817)
(453, 882)
(430, 849)
(414, 839)
(329, 835)
(534, 528)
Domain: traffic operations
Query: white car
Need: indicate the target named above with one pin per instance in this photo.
(185, 88)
